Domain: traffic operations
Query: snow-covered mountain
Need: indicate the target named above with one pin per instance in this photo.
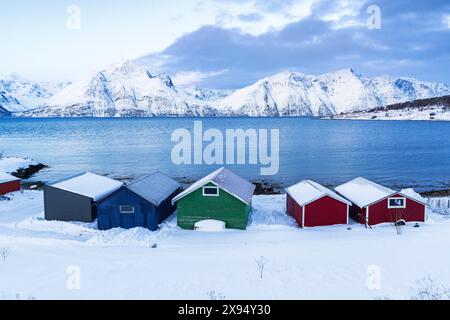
(207, 95)
(122, 90)
(130, 90)
(18, 94)
(296, 94)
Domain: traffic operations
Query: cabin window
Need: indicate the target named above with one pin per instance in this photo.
(397, 203)
(210, 191)
(126, 209)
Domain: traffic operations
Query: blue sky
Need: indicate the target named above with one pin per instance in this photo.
(226, 43)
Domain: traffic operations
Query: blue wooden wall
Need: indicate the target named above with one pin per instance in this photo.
(145, 214)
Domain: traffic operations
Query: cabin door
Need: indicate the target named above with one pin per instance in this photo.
(127, 216)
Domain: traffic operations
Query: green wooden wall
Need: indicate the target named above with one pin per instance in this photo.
(195, 207)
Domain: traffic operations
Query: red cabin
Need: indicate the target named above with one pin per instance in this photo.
(313, 205)
(8, 183)
(374, 204)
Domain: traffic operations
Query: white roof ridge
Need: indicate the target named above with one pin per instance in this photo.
(321, 190)
(364, 192)
(198, 184)
(378, 185)
(143, 177)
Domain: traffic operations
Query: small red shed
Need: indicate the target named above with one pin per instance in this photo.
(313, 205)
(374, 204)
(8, 183)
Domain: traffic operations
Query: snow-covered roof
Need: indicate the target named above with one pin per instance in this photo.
(90, 185)
(308, 191)
(363, 192)
(155, 187)
(410, 193)
(4, 178)
(226, 180)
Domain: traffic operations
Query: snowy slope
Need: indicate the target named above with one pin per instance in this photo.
(207, 95)
(286, 94)
(121, 90)
(290, 93)
(41, 258)
(18, 94)
(9, 104)
(12, 164)
(432, 109)
(4, 112)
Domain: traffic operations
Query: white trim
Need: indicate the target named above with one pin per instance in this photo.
(126, 211)
(211, 195)
(348, 214)
(367, 216)
(396, 207)
(303, 216)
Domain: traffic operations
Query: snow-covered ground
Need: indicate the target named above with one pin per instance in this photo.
(12, 164)
(435, 113)
(57, 260)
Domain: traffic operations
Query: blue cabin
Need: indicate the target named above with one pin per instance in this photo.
(146, 203)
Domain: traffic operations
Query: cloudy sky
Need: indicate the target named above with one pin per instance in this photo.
(226, 43)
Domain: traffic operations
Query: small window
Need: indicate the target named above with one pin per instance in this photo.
(210, 191)
(126, 209)
(396, 203)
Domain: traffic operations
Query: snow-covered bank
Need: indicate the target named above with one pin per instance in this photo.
(431, 114)
(42, 259)
(12, 164)
(22, 168)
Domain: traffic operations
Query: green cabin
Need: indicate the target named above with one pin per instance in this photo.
(222, 195)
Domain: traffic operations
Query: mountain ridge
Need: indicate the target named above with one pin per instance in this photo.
(130, 90)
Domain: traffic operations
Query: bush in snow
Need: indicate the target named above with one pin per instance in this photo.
(430, 290)
(4, 252)
(261, 263)
(213, 295)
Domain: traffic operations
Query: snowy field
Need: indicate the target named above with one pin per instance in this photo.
(57, 260)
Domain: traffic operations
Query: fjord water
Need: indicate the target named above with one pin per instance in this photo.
(394, 153)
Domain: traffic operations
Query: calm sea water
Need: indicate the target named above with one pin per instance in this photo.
(396, 154)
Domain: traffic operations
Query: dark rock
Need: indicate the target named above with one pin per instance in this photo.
(26, 173)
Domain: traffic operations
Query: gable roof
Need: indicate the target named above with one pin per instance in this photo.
(155, 187)
(363, 192)
(5, 177)
(411, 194)
(226, 180)
(308, 191)
(89, 185)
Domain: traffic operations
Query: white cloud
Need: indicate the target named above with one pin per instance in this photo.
(446, 20)
(229, 14)
(189, 78)
(345, 14)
